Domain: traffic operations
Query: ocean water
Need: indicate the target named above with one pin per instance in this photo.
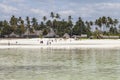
(59, 64)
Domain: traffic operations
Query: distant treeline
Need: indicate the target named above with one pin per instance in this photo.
(103, 25)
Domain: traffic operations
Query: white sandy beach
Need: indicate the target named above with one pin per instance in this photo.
(59, 43)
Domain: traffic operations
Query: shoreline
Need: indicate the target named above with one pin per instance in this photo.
(61, 47)
(53, 43)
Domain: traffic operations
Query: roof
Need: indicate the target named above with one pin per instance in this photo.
(13, 35)
(51, 33)
(66, 35)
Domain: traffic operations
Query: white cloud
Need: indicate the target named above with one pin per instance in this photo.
(98, 9)
(85, 11)
(103, 6)
(7, 8)
(67, 12)
(12, 1)
(17, 0)
(108, 5)
(43, 8)
(38, 11)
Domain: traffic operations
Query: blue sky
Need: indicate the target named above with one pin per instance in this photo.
(87, 9)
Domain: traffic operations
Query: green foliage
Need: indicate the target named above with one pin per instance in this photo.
(79, 27)
(45, 32)
(34, 23)
(20, 30)
(105, 25)
(113, 30)
(7, 30)
(40, 36)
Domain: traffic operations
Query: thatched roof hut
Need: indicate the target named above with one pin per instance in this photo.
(83, 36)
(26, 32)
(110, 37)
(34, 34)
(51, 34)
(13, 35)
(66, 35)
(38, 32)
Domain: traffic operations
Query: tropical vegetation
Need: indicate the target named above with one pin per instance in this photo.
(103, 25)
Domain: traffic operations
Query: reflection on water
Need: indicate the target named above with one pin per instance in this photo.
(47, 64)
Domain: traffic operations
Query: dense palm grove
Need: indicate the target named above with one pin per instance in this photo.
(103, 25)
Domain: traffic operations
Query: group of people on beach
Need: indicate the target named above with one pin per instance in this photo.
(39, 41)
(47, 43)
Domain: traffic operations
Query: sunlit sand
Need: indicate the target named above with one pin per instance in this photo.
(59, 43)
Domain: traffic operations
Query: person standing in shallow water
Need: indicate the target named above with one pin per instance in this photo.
(41, 42)
(16, 42)
(48, 42)
(8, 43)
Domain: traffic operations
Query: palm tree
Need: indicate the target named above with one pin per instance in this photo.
(57, 16)
(34, 23)
(21, 27)
(57, 22)
(7, 30)
(88, 24)
(70, 24)
(111, 30)
(97, 33)
(19, 20)
(42, 26)
(13, 23)
(119, 29)
(88, 27)
(49, 23)
(91, 23)
(28, 22)
(69, 18)
(52, 15)
(44, 18)
(13, 20)
(110, 21)
(104, 22)
(1, 28)
(115, 22)
(79, 27)
(98, 22)
(28, 25)
(81, 24)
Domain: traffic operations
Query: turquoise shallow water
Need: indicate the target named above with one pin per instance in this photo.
(47, 64)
